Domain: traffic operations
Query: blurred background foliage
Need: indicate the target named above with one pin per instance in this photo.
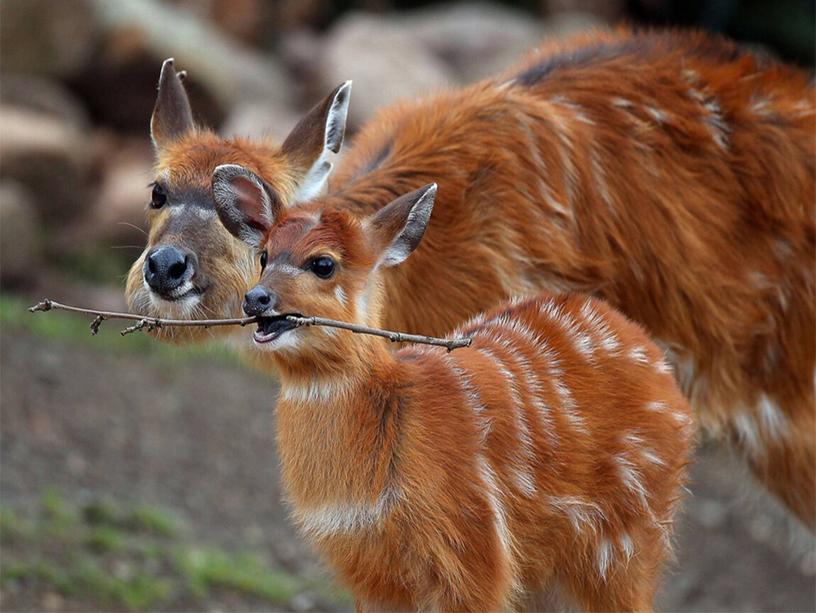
(139, 476)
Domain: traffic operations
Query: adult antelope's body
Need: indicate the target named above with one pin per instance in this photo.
(668, 173)
(546, 457)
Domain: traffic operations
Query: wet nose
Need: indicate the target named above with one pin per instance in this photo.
(167, 268)
(258, 300)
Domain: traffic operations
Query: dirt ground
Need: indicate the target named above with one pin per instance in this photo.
(196, 436)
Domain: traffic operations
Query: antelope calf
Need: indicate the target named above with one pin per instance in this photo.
(547, 456)
(671, 174)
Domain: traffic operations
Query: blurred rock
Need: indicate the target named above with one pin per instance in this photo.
(120, 201)
(46, 37)
(20, 243)
(474, 40)
(43, 95)
(604, 10)
(566, 24)
(385, 61)
(49, 157)
(140, 35)
(260, 120)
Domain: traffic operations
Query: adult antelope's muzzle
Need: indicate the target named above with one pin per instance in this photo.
(168, 269)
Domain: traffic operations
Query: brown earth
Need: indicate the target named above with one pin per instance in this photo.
(196, 436)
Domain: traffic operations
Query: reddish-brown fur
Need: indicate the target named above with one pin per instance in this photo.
(668, 173)
(547, 457)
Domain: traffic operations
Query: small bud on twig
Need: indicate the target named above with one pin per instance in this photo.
(153, 323)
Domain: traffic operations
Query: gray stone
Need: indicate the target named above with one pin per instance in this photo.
(20, 240)
(385, 62)
(49, 157)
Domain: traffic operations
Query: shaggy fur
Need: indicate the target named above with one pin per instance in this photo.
(546, 457)
(671, 174)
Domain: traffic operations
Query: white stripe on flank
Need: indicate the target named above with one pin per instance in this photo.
(604, 557)
(582, 513)
(636, 442)
(747, 434)
(658, 115)
(531, 379)
(565, 152)
(472, 395)
(565, 102)
(582, 341)
(663, 367)
(631, 478)
(600, 180)
(773, 420)
(598, 324)
(627, 546)
(340, 519)
(638, 354)
(496, 506)
(523, 468)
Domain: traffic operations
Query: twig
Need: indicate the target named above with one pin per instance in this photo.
(153, 323)
(394, 337)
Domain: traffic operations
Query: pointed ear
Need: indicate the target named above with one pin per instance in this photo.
(398, 228)
(315, 136)
(246, 205)
(172, 116)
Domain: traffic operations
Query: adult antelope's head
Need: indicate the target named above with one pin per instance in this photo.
(192, 267)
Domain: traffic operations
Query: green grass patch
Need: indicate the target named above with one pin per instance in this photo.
(206, 569)
(97, 263)
(60, 326)
(149, 519)
(105, 539)
(12, 526)
(106, 554)
(141, 518)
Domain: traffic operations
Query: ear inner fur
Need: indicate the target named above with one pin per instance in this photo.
(244, 203)
(402, 223)
(317, 135)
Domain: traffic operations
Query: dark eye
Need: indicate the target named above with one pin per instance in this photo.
(264, 257)
(158, 197)
(323, 266)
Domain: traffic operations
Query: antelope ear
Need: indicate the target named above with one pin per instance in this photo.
(315, 136)
(399, 226)
(172, 116)
(245, 203)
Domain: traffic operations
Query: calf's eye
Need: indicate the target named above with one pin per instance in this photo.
(323, 266)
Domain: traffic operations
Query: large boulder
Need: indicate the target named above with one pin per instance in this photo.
(119, 83)
(20, 236)
(121, 199)
(43, 95)
(385, 62)
(474, 40)
(47, 155)
(258, 120)
(46, 37)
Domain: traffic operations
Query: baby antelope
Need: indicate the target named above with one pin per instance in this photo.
(543, 461)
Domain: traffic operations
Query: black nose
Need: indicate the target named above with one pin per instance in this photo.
(259, 299)
(166, 268)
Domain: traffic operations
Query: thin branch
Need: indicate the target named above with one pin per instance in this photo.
(144, 322)
(394, 337)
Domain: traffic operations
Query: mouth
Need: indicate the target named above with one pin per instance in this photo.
(182, 293)
(270, 328)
